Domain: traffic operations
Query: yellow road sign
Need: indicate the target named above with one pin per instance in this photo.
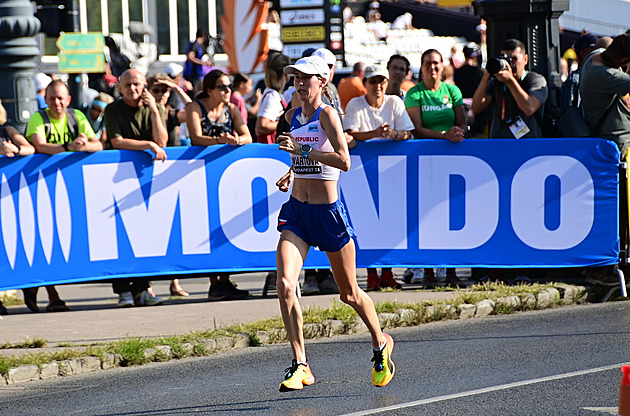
(74, 63)
(81, 42)
(303, 33)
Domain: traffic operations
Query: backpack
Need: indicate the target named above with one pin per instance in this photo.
(71, 119)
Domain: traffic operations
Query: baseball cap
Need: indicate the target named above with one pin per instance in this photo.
(374, 5)
(584, 42)
(312, 65)
(41, 81)
(470, 50)
(173, 69)
(375, 71)
(326, 55)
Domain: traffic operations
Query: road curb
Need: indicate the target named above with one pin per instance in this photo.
(549, 297)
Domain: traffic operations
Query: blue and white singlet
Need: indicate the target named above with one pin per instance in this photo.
(314, 135)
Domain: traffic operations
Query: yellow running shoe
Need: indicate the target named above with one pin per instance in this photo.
(298, 376)
(384, 367)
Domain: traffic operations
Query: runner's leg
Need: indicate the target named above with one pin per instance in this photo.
(290, 256)
(343, 264)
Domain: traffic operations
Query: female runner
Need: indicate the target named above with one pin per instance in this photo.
(314, 216)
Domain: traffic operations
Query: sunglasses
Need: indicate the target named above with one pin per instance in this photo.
(224, 88)
(98, 109)
(156, 90)
(376, 80)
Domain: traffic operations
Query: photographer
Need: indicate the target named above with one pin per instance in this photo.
(516, 96)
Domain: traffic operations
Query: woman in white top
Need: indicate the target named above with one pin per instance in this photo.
(272, 104)
(314, 216)
(377, 116)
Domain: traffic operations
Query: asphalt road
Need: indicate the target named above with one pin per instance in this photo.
(553, 362)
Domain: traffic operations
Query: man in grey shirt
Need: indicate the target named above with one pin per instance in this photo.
(603, 84)
(516, 96)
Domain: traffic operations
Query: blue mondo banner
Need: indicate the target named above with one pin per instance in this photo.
(76, 217)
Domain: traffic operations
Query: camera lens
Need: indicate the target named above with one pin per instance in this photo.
(495, 65)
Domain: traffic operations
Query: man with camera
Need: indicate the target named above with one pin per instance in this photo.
(516, 96)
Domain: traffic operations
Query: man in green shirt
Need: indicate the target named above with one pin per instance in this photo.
(56, 129)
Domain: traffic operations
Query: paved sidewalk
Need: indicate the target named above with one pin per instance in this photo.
(93, 316)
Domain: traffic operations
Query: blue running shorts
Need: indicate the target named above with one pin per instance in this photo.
(324, 226)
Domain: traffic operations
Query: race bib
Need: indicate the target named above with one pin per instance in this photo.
(304, 166)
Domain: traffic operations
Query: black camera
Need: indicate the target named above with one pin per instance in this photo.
(500, 63)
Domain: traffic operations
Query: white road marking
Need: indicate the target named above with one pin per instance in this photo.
(485, 390)
(607, 410)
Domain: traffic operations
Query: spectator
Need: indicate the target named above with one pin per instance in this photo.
(437, 111)
(274, 30)
(602, 87)
(41, 82)
(176, 74)
(448, 73)
(408, 83)
(516, 97)
(272, 104)
(161, 85)
(333, 96)
(352, 86)
(53, 130)
(603, 42)
(398, 66)
(59, 129)
(193, 67)
(377, 116)
(467, 79)
(569, 93)
(457, 57)
(377, 26)
(212, 120)
(468, 76)
(404, 21)
(483, 44)
(94, 114)
(12, 143)
(136, 122)
(242, 85)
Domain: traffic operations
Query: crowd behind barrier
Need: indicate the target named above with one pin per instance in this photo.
(74, 217)
(187, 104)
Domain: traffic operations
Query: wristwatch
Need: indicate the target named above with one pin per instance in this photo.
(306, 150)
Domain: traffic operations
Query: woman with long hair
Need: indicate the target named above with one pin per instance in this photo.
(314, 216)
(211, 120)
(272, 104)
(437, 111)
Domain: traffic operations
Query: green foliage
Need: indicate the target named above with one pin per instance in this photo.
(133, 350)
(27, 343)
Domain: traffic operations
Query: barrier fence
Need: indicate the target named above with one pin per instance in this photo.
(76, 217)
